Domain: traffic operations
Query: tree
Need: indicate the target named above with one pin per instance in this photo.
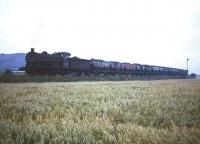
(22, 69)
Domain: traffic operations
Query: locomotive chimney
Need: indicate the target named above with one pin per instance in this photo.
(32, 49)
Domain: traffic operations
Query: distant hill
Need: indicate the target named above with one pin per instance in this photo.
(12, 61)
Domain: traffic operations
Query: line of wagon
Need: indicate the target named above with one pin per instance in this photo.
(62, 63)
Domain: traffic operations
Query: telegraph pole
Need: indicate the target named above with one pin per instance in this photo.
(187, 64)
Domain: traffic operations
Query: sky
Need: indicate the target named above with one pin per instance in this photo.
(154, 32)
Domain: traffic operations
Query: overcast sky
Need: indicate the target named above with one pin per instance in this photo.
(154, 32)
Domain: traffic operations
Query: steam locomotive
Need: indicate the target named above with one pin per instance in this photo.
(61, 63)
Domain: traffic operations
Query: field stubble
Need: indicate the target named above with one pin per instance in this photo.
(164, 111)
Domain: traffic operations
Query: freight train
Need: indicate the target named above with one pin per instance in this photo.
(61, 63)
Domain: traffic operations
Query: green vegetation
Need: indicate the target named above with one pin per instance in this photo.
(101, 112)
(70, 78)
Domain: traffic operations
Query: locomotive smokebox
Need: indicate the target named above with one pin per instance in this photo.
(32, 49)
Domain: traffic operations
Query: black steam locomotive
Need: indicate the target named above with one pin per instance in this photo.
(61, 63)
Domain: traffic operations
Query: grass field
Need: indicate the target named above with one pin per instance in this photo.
(164, 111)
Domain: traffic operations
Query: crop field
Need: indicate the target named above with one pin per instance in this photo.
(162, 111)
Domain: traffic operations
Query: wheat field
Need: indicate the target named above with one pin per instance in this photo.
(163, 111)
